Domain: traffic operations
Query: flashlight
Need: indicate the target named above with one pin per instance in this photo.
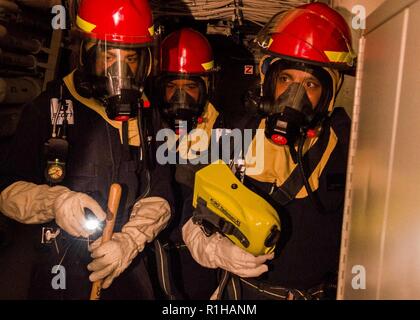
(92, 224)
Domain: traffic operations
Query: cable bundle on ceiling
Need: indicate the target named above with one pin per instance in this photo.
(256, 11)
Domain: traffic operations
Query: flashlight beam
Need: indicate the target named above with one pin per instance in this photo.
(92, 224)
(113, 203)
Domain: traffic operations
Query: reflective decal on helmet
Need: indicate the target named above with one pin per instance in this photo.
(208, 65)
(152, 30)
(340, 57)
(84, 25)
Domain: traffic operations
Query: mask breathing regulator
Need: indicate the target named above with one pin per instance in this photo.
(120, 106)
(291, 116)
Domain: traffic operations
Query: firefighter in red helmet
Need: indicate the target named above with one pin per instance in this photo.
(307, 50)
(185, 89)
(187, 80)
(84, 133)
(115, 53)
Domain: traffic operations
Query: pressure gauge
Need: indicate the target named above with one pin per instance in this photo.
(55, 171)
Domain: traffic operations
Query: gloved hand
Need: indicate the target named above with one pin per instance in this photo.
(218, 251)
(149, 216)
(31, 204)
(70, 214)
(111, 258)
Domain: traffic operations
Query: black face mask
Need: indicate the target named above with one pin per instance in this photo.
(181, 109)
(123, 106)
(290, 116)
(121, 103)
(181, 106)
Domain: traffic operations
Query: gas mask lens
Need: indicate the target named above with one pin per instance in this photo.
(120, 73)
(291, 105)
(124, 69)
(184, 99)
(292, 88)
(120, 77)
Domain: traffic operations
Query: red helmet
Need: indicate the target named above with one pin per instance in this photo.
(118, 21)
(312, 33)
(186, 51)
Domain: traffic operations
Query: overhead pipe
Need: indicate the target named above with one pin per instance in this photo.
(18, 90)
(13, 43)
(17, 60)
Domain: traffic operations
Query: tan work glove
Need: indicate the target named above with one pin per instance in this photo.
(218, 251)
(30, 203)
(149, 216)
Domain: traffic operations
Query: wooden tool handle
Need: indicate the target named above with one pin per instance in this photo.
(111, 214)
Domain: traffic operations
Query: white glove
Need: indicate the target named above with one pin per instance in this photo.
(31, 204)
(149, 216)
(111, 258)
(218, 251)
(70, 214)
